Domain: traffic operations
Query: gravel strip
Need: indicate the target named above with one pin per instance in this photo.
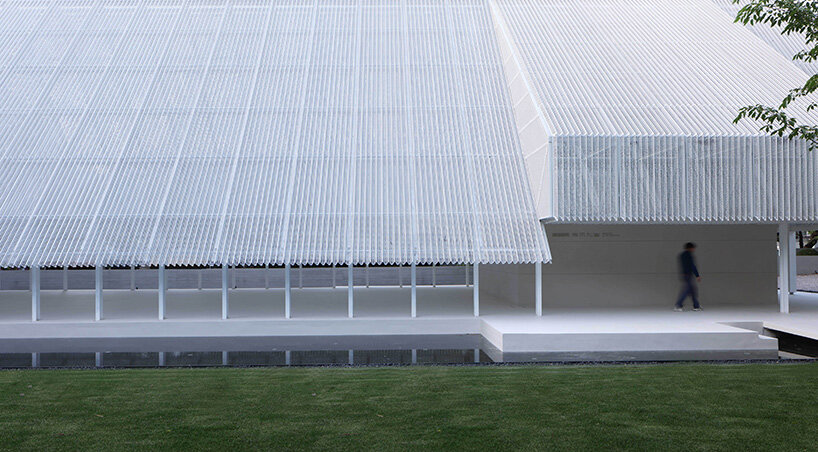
(808, 283)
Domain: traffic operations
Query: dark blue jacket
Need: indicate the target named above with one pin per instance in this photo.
(688, 265)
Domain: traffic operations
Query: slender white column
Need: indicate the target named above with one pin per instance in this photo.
(350, 284)
(161, 359)
(133, 278)
(35, 293)
(287, 291)
(476, 289)
(467, 274)
(434, 276)
(333, 276)
(783, 268)
(414, 291)
(225, 292)
(35, 359)
(351, 357)
(163, 289)
(199, 279)
(267, 277)
(366, 274)
(225, 361)
(538, 288)
(97, 293)
(287, 360)
(476, 355)
(65, 279)
(414, 356)
(98, 359)
(793, 285)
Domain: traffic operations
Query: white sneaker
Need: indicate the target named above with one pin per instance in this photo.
(697, 309)
(680, 309)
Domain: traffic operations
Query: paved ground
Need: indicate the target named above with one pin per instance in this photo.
(808, 283)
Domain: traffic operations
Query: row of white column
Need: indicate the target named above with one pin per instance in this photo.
(162, 292)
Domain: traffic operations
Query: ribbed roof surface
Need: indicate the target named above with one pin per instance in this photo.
(638, 99)
(645, 67)
(255, 132)
(788, 45)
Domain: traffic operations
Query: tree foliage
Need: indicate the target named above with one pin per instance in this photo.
(794, 17)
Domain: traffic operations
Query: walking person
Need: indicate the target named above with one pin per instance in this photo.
(690, 276)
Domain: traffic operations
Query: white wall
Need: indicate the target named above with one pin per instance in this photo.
(604, 265)
(509, 284)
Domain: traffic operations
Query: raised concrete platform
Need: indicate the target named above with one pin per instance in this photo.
(510, 333)
(628, 335)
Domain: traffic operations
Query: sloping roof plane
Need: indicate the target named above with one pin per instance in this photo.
(638, 99)
(250, 132)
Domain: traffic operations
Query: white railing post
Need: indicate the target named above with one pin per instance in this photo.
(162, 291)
(538, 288)
(349, 291)
(783, 268)
(476, 289)
(266, 276)
(287, 292)
(225, 293)
(414, 291)
(98, 293)
(35, 293)
(792, 275)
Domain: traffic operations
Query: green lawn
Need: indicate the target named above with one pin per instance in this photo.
(682, 407)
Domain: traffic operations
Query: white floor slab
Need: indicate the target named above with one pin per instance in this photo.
(385, 311)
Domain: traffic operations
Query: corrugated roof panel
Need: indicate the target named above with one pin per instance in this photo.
(637, 99)
(788, 45)
(262, 132)
(628, 67)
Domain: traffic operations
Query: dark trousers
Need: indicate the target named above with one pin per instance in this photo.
(688, 288)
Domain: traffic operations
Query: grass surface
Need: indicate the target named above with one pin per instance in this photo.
(681, 407)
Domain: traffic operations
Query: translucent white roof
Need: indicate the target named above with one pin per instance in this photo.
(645, 67)
(257, 132)
(788, 45)
(629, 106)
